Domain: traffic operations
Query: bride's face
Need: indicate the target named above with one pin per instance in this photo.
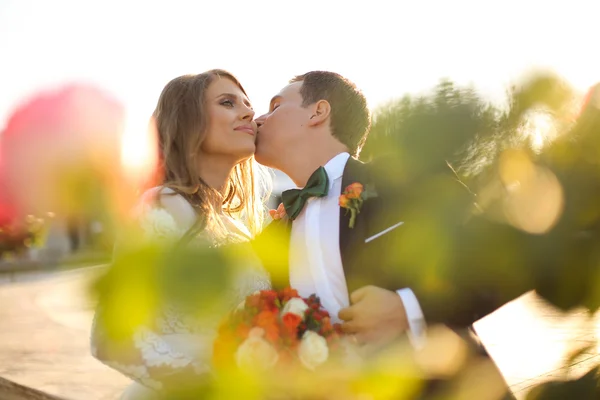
(231, 131)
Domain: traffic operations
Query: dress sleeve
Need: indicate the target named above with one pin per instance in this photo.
(173, 350)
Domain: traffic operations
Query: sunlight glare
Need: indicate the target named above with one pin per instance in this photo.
(540, 126)
(537, 345)
(535, 198)
(138, 148)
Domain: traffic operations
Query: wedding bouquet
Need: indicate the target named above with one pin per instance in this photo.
(277, 328)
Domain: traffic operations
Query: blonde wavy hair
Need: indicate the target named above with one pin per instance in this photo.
(181, 120)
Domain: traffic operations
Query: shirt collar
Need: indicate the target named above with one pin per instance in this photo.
(335, 167)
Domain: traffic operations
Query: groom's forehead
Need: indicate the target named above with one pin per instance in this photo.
(289, 93)
(291, 90)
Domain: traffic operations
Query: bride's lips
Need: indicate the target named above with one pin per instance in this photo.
(246, 128)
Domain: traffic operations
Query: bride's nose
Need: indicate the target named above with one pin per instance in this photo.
(248, 114)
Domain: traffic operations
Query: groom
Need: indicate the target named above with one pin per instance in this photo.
(364, 269)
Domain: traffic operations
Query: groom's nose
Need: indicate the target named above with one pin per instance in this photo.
(260, 120)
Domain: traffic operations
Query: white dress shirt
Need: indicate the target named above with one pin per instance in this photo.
(315, 258)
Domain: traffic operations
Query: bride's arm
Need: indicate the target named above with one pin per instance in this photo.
(154, 358)
(164, 353)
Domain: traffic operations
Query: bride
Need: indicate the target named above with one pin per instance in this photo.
(210, 191)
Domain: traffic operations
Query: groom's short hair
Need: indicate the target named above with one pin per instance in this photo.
(350, 116)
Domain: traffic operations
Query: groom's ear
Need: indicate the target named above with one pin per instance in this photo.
(321, 113)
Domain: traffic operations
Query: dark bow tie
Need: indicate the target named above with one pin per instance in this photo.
(295, 199)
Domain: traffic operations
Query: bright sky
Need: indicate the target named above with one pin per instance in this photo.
(387, 48)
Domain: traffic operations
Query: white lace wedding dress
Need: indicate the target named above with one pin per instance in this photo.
(177, 347)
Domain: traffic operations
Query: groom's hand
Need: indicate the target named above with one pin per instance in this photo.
(377, 316)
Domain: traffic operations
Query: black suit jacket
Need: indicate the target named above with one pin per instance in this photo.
(415, 234)
(412, 235)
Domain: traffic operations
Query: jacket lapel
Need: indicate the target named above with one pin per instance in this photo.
(352, 239)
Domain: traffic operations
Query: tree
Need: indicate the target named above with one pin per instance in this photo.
(537, 224)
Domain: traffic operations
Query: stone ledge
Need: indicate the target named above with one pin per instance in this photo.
(10, 390)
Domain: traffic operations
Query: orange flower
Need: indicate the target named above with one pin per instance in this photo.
(279, 213)
(268, 321)
(288, 293)
(253, 300)
(272, 333)
(354, 190)
(344, 201)
(268, 300)
(265, 318)
(268, 295)
(291, 321)
(353, 197)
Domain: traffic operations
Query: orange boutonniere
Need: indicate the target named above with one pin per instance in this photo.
(352, 199)
(279, 213)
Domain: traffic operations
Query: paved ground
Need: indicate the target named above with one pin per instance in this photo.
(45, 325)
(44, 337)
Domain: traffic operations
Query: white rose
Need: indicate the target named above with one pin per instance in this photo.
(256, 352)
(295, 306)
(158, 223)
(313, 350)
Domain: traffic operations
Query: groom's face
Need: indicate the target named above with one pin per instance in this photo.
(283, 127)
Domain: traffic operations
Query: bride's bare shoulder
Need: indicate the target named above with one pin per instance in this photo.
(167, 199)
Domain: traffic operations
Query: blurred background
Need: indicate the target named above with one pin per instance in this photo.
(127, 53)
(462, 81)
